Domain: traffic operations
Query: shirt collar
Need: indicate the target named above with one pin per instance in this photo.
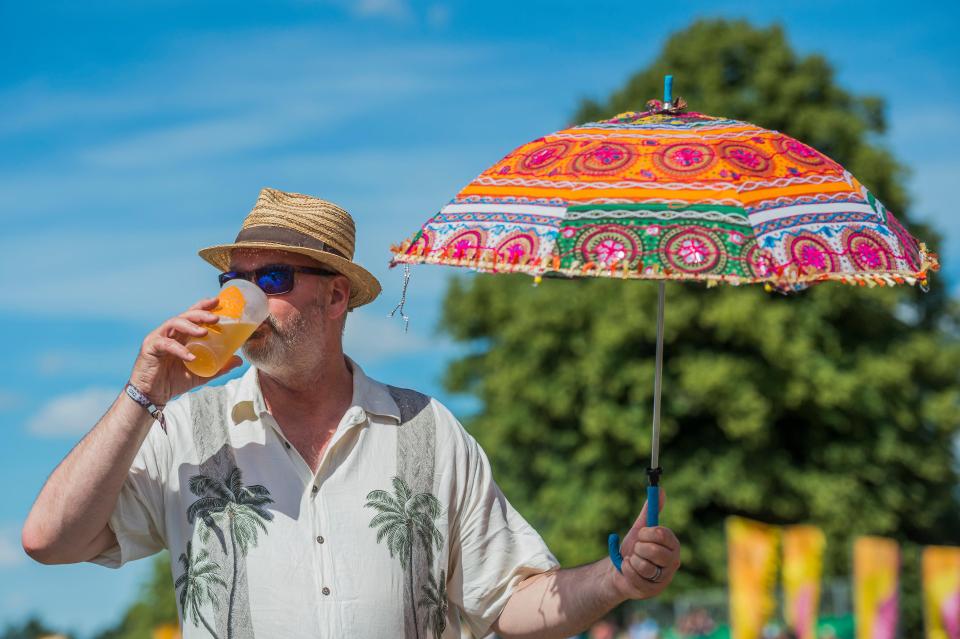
(373, 397)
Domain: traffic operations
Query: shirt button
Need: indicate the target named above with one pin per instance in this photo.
(315, 490)
(287, 444)
(325, 590)
(319, 539)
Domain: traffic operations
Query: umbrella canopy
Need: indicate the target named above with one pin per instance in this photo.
(665, 194)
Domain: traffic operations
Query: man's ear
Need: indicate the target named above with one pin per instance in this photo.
(338, 296)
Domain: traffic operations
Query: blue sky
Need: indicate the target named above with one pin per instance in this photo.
(134, 133)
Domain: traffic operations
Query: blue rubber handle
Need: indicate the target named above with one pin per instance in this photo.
(653, 517)
(668, 88)
(613, 547)
(653, 506)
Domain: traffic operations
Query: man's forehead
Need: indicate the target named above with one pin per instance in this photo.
(245, 259)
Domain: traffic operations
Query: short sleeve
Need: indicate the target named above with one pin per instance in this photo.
(138, 518)
(493, 548)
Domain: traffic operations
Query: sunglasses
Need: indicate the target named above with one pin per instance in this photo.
(275, 279)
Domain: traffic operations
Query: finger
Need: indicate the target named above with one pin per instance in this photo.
(181, 326)
(634, 578)
(654, 553)
(198, 316)
(646, 569)
(205, 303)
(659, 535)
(170, 346)
(641, 520)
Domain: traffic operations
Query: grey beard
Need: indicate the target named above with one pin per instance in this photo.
(279, 347)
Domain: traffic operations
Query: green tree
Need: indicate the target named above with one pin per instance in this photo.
(32, 628)
(196, 585)
(837, 406)
(155, 605)
(405, 519)
(227, 505)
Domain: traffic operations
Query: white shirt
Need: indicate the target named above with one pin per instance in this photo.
(262, 546)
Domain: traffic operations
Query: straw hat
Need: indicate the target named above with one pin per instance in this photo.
(306, 225)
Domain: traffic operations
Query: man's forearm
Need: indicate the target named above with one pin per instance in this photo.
(76, 502)
(560, 604)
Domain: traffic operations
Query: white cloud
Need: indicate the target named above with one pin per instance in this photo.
(397, 10)
(72, 414)
(201, 140)
(11, 551)
(73, 361)
(372, 338)
(115, 276)
(151, 274)
(9, 400)
(215, 84)
(438, 16)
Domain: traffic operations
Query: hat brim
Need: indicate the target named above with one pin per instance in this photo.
(364, 287)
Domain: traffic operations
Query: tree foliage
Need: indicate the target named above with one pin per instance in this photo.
(837, 406)
(31, 628)
(155, 605)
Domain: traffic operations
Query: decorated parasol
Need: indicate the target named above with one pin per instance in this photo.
(671, 195)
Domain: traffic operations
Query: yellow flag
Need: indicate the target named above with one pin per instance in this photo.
(876, 573)
(166, 631)
(752, 566)
(941, 592)
(802, 568)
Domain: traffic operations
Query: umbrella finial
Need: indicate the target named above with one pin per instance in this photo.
(669, 106)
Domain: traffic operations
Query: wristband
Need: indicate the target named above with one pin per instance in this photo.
(156, 412)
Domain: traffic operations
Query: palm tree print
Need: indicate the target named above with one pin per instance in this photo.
(406, 521)
(228, 505)
(434, 599)
(197, 581)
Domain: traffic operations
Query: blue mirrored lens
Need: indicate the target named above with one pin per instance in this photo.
(275, 281)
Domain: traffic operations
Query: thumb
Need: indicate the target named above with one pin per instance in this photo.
(641, 521)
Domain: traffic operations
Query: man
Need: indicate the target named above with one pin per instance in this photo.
(305, 499)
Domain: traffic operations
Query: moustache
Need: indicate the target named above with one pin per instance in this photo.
(269, 324)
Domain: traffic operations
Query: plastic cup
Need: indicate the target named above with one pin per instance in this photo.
(242, 308)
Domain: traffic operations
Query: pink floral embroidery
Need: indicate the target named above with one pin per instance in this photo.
(869, 255)
(736, 238)
(746, 158)
(801, 149)
(516, 252)
(812, 256)
(688, 156)
(607, 154)
(542, 156)
(461, 248)
(610, 251)
(568, 232)
(693, 251)
(653, 230)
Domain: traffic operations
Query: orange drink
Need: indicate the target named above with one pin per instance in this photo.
(222, 341)
(242, 308)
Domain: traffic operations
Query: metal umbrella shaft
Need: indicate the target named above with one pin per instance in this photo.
(654, 471)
